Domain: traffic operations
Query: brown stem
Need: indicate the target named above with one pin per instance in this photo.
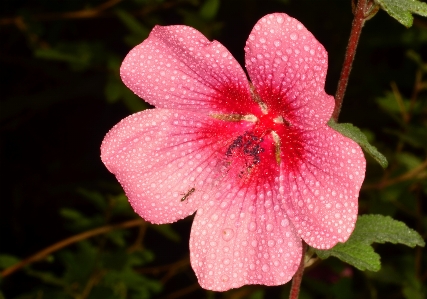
(296, 280)
(61, 244)
(356, 29)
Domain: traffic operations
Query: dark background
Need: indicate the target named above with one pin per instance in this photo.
(61, 93)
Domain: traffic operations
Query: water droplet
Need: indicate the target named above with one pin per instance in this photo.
(277, 43)
(227, 234)
(269, 227)
(265, 268)
(271, 243)
(285, 222)
(294, 36)
(252, 226)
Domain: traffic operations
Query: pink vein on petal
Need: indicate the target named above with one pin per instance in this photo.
(177, 67)
(242, 236)
(287, 65)
(159, 155)
(321, 197)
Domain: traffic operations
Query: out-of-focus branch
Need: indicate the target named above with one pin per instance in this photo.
(79, 14)
(414, 173)
(96, 12)
(74, 239)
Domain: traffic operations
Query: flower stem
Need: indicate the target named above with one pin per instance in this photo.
(356, 29)
(296, 280)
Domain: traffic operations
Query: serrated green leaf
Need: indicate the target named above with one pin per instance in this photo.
(381, 229)
(358, 251)
(402, 10)
(360, 255)
(356, 135)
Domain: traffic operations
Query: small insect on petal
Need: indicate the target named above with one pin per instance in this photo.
(191, 191)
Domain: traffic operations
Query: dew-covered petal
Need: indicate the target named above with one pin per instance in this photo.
(177, 67)
(287, 65)
(242, 235)
(320, 196)
(165, 159)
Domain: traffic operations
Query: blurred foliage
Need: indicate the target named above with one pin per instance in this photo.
(61, 92)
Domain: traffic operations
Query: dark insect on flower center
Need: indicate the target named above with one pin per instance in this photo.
(249, 145)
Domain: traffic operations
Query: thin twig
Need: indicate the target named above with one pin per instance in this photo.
(97, 12)
(399, 100)
(79, 14)
(411, 174)
(66, 242)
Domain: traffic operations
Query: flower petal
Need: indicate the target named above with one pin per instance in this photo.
(242, 236)
(320, 196)
(287, 65)
(165, 160)
(177, 67)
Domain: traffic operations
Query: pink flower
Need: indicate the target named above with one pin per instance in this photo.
(257, 162)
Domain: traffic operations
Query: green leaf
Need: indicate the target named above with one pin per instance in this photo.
(132, 23)
(402, 10)
(132, 101)
(96, 198)
(167, 231)
(7, 260)
(356, 135)
(46, 277)
(360, 255)
(381, 229)
(209, 9)
(358, 251)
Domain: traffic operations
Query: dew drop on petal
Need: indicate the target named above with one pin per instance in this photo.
(227, 234)
(265, 268)
(294, 36)
(252, 226)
